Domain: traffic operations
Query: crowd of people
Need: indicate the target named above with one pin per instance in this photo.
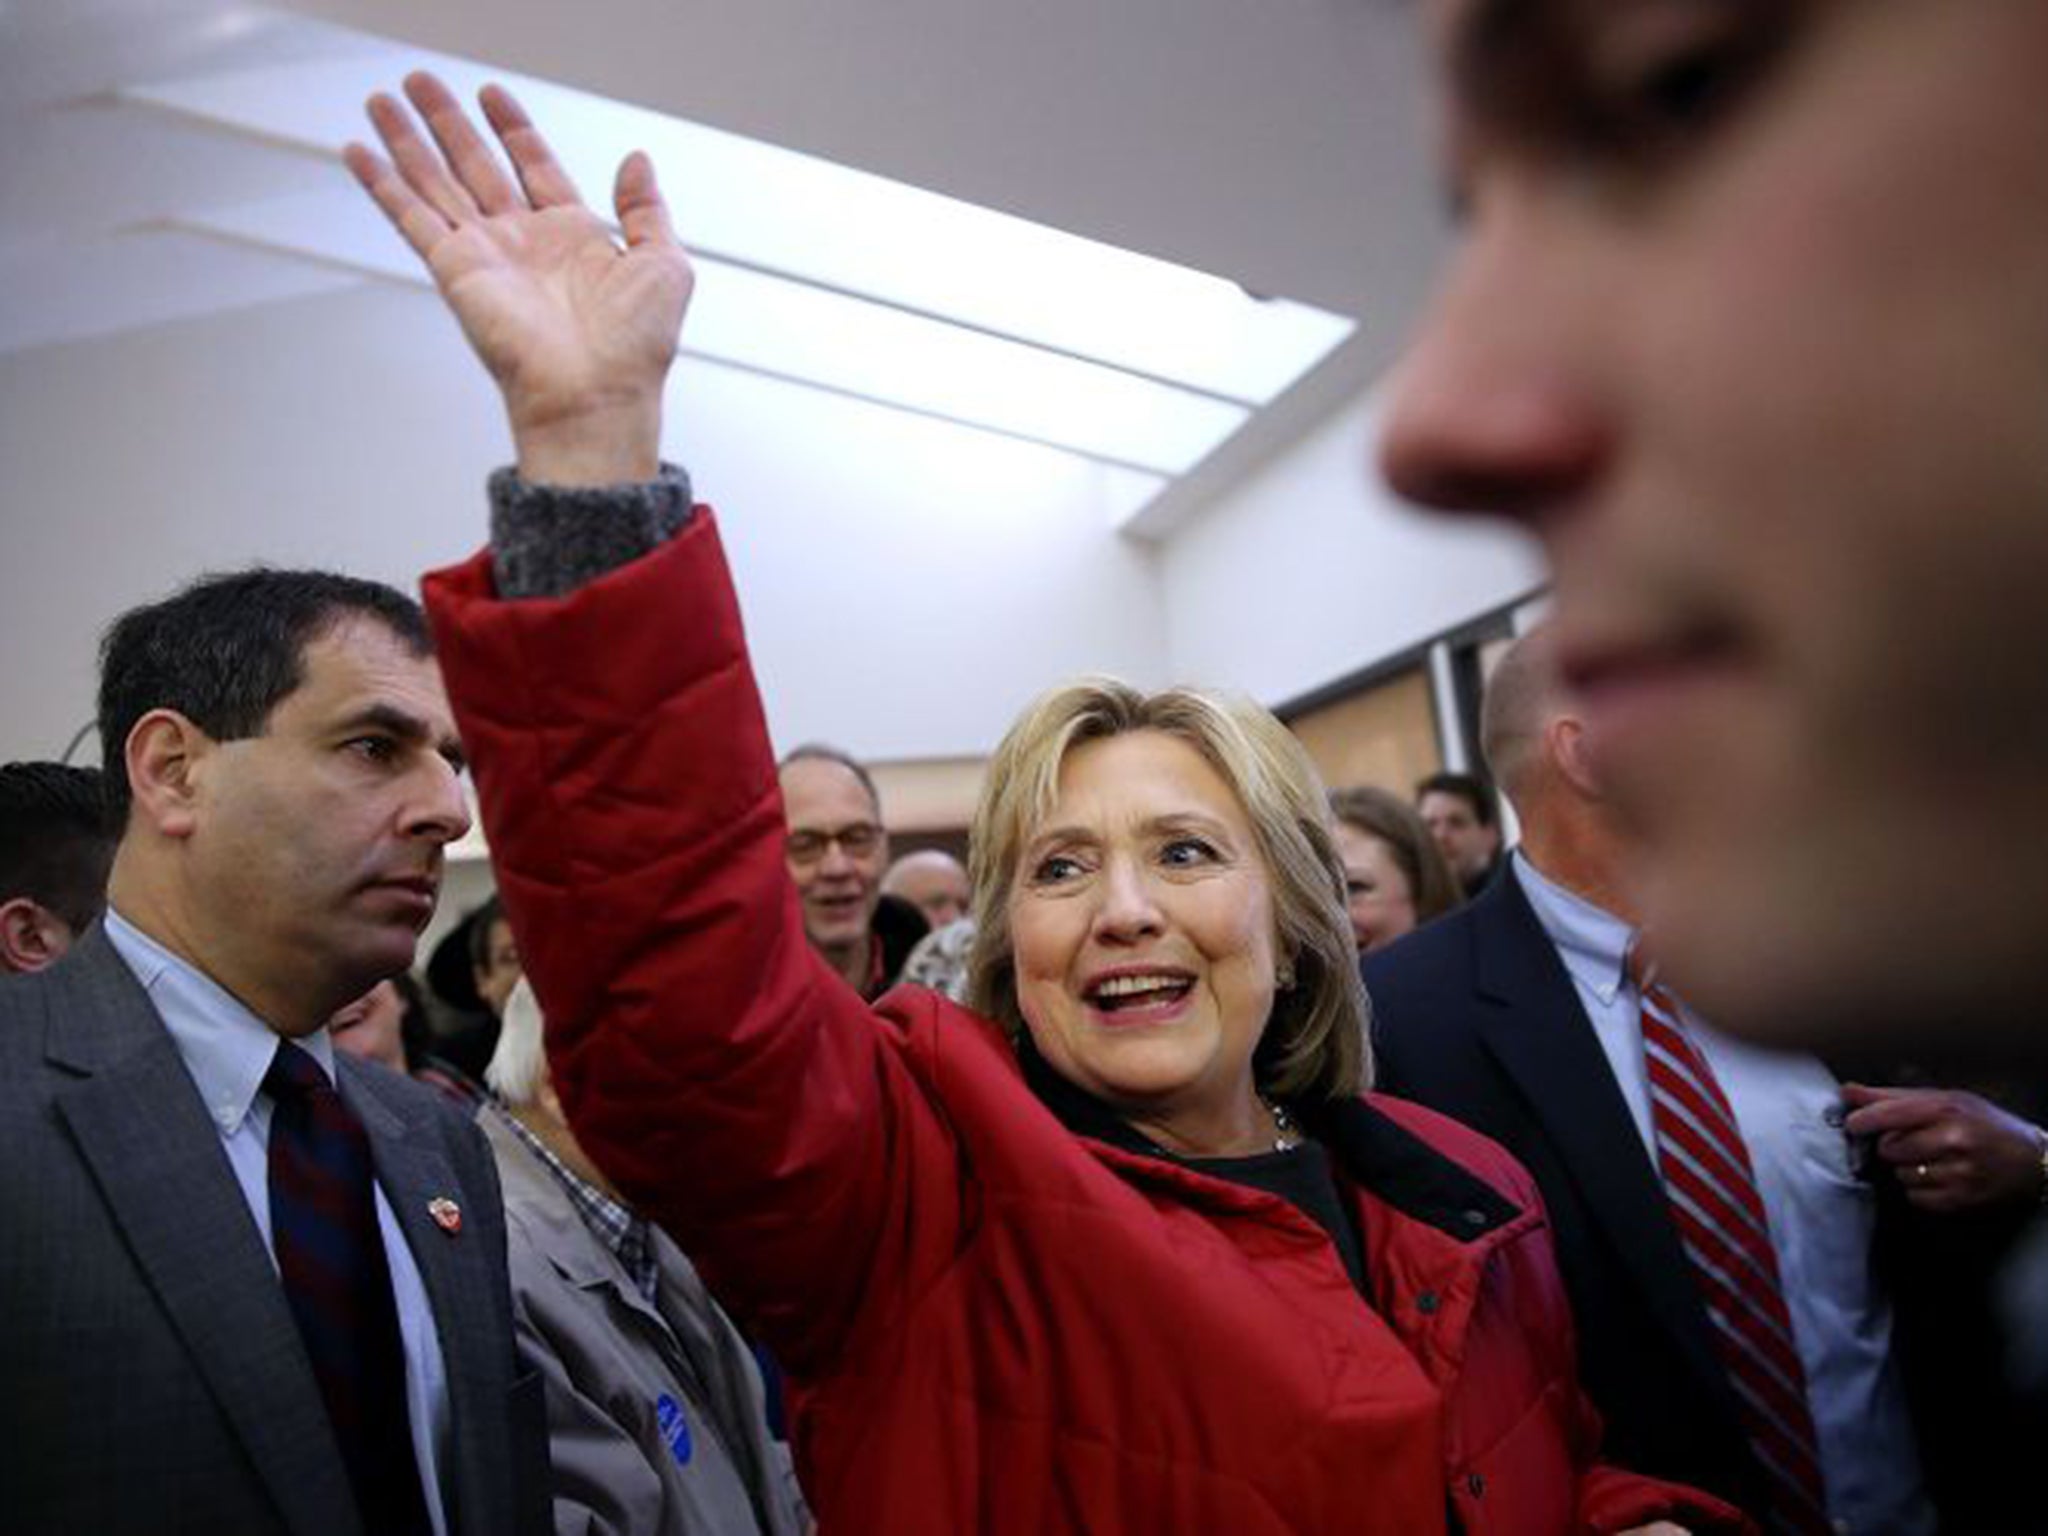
(1214, 1152)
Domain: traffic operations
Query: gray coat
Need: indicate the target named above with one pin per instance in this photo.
(151, 1377)
(655, 1416)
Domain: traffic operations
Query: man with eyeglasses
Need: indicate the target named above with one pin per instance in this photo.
(837, 850)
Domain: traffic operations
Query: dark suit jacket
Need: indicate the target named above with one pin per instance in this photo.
(1475, 1016)
(151, 1377)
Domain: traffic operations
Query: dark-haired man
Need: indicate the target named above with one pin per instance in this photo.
(1462, 812)
(55, 845)
(281, 1303)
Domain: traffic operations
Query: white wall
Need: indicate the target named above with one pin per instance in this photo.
(912, 613)
(327, 431)
(906, 612)
(898, 612)
(1309, 570)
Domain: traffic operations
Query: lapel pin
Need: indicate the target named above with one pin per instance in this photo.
(446, 1213)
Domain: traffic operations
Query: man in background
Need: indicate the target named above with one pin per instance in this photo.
(1462, 812)
(493, 958)
(934, 882)
(837, 849)
(56, 845)
(1672, 1157)
(1750, 336)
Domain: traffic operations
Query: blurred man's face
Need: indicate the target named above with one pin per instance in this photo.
(1750, 325)
(836, 851)
(1467, 843)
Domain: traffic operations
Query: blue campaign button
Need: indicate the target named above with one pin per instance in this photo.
(675, 1429)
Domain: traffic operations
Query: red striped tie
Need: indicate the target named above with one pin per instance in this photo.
(1720, 1218)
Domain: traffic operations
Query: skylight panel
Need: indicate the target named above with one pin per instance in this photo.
(844, 279)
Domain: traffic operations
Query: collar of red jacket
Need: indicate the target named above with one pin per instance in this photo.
(1381, 1157)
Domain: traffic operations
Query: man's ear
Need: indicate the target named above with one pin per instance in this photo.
(165, 755)
(1568, 750)
(31, 936)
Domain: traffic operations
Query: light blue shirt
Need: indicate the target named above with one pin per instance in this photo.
(227, 1050)
(1821, 1216)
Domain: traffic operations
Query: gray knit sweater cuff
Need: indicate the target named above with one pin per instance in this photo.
(549, 539)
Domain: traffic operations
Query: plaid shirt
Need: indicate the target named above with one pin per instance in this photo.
(624, 1233)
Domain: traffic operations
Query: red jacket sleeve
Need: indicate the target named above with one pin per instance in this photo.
(719, 1072)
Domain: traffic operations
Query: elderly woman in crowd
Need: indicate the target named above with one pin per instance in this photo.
(1123, 1249)
(1395, 878)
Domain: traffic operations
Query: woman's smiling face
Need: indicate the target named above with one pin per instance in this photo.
(1143, 927)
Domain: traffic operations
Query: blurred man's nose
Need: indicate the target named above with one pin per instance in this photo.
(1492, 409)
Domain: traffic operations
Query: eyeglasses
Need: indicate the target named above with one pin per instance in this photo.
(856, 842)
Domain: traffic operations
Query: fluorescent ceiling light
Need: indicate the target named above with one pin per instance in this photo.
(836, 277)
(794, 331)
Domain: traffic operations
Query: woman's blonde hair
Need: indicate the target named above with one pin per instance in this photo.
(1314, 1046)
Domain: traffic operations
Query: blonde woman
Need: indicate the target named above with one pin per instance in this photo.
(1122, 1249)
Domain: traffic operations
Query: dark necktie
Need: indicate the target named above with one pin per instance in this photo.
(323, 1225)
(1711, 1185)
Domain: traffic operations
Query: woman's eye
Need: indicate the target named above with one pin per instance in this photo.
(1053, 870)
(1185, 852)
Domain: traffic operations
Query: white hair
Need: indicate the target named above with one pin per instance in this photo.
(519, 1065)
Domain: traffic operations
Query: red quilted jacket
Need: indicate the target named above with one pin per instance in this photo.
(992, 1324)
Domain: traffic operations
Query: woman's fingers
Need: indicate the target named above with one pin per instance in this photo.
(643, 215)
(421, 226)
(418, 162)
(458, 178)
(547, 184)
(463, 149)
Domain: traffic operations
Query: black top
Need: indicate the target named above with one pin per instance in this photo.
(1301, 1175)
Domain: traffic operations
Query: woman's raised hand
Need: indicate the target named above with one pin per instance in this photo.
(578, 331)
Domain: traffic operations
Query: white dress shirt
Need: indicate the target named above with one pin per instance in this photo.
(227, 1050)
(1821, 1216)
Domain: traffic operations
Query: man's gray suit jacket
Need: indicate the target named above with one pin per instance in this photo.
(151, 1376)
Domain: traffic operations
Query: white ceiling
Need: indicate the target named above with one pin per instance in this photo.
(1279, 145)
(1276, 145)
